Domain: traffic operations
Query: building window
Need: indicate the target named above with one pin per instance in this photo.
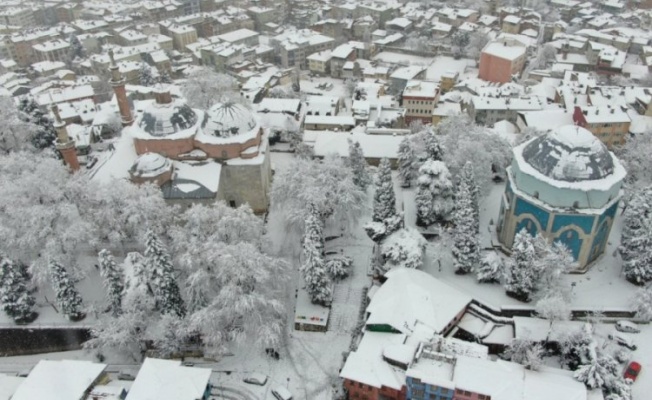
(232, 205)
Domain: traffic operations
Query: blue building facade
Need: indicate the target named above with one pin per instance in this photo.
(418, 390)
(566, 186)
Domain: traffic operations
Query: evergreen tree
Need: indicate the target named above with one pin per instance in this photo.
(315, 274)
(67, 296)
(44, 135)
(358, 165)
(161, 273)
(407, 162)
(520, 277)
(468, 177)
(146, 78)
(433, 148)
(434, 197)
(164, 77)
(113, 280)
(638, 267)
(15, 299)
(491, 269)
(314, 234)
(466, 246)
(339, 267)
(76, 48)
(384, 197)
(636, 223)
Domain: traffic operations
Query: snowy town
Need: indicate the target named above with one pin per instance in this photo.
(325, 200)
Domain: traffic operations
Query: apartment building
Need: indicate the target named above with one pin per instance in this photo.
(17, 16)
(53, 50)
(182, 35)
(501, 60)
(295, 46)
(419, 100)
(608, 123)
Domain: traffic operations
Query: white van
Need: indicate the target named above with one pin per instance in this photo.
(281, 393)
(627, 326)
(623, 340)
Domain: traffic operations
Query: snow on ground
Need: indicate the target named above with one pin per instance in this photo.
(601, 288)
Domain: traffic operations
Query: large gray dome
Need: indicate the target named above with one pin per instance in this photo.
(571, 154)
(161, 120)
(228, 119)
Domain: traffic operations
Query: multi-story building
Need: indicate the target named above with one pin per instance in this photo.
(501, 60)
(419, 100)
(489, 110)
(189, 7)
(262, 15)
(131, 37)
(17, 16)
(294, 46)
(53, 50)
(245, 37)
(339, 56)
(511, 24)
(320, 63)
(182, 35)
(608, 123)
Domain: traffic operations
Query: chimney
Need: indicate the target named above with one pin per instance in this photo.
(162, 94)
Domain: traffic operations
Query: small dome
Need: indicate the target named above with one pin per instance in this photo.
(569, 153)
(150, 165)
(228, 119)
(161, 120)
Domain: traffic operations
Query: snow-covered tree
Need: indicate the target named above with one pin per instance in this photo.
(418, 43)
(164, 77)
(358, 165)
(642, 303)
(339, 267)
(521, 275)
(468, 176)
(170, 335)
(477, 42)
(491, 268)
(407, 162)
(314, 272)
(68, 299)
(314, 235)
(459, 41)
(433, 148)
(40, 212)
(42, 129)
(161, 272)
(205, 87)
(403, 248)
(15, 298)
(635, 155)
(17, 129)
(553, 307)
(113, 280)
(637, 238)
(280, 92)
(303, 183)
(638, 268)
(593, 374)
(146, 78)
(235, 291)
(465, 141)
(576, 346)
(434, 198)
(138, 296)
(124, 334)
(466, 243)
(76, 48)
(384, 197)
(525, 352)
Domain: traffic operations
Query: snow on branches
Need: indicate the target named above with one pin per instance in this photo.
(434, 198)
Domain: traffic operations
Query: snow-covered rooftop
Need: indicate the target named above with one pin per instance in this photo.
(410, 295)
(504, 50)
(373, 146)
(59, 380)
(168, 380)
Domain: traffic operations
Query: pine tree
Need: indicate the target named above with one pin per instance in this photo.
(358, 165)
(466, 246)
(113, 280)
(76, 48)
(164, 77)
(407, 167)
(146, 77)
(433, 148)
(642, 304)
(491, 269)
(468, 176)
(45, 134)
(638, 266)
(314, 235)
(315, 275)
(434, 197)
(15, 299)
(384, 197)
(67, 296)
(520, 277)
(161, 273)
(636, 223)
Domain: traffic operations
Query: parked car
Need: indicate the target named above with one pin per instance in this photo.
(623, 340)
(256, 379)
(124, 376)
(632, 371)
(188, 364)
(627, 326)
(24, 373)
(281, 393)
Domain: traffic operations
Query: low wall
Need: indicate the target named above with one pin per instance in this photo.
(24, 340)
